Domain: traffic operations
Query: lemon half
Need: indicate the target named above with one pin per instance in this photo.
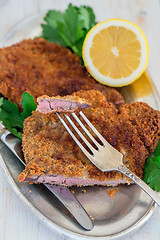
(115, 52)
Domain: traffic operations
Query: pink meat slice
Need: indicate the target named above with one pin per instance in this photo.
(48, 104)
(72, 181)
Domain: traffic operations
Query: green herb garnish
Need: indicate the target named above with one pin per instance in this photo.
(68, 28)
(12, 118)
(152, 170)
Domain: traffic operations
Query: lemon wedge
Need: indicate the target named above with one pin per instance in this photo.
(115, 52)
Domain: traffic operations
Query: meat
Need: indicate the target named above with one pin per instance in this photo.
(53, 157)
(146, 121)
(61, 104)
(43, 68)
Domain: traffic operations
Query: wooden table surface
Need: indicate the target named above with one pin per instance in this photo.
(16, 222)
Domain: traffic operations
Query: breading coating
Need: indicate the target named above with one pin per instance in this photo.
(43, 68)
(146, 121)
(52, 155)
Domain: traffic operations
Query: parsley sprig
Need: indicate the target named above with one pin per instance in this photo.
(152, 170)
(68, 28)
(12, 118)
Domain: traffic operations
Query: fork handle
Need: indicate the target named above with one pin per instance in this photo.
(154, 195)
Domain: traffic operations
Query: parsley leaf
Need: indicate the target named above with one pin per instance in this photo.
(1, 102)
(52, 17)
(87, 15)
(157, 150)
(52, 35)
(12, 118)
(152, 170)
(28, 105)
(9, 112)
(68, 28)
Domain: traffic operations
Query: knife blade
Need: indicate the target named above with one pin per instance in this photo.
(63, 194)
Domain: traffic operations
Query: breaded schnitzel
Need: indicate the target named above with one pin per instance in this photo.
(43, 68)
(146, 121)
(53, 157)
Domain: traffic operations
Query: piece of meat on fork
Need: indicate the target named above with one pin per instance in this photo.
(48, 105)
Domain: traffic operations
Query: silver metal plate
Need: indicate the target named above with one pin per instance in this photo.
(114, 217)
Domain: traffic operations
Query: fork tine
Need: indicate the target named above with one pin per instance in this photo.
(80, 134)
(92, 127)
(74, 138)
(103, 140)
(86, 130)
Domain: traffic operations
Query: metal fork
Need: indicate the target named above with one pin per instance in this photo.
(105, 157)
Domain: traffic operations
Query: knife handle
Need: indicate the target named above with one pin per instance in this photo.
(64, 195)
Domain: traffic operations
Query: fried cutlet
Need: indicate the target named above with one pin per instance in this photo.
(146, 121)
(43, 68)
(53, 157)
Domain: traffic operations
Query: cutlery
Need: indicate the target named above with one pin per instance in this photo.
(105, 157)
(64, 195)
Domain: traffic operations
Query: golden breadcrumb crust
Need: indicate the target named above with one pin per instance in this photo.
(50, 150)
(43, 68)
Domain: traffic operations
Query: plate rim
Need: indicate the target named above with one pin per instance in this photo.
(29, 206)
(53, 226)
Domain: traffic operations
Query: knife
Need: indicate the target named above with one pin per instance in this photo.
(64, 195)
